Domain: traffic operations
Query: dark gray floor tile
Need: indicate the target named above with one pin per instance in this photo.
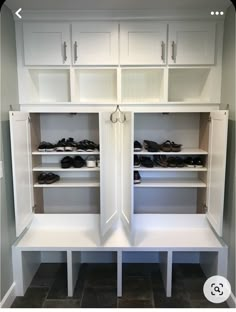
(139, 269)
(190, 270)
(101, 275)
(33, 298)
(46, 275)
(64, 303)
(79, 287)
(194, 287)
(204, 304)
(126, 303)
(137, 288)
(59, 286)
(171, 303)
(105, 297)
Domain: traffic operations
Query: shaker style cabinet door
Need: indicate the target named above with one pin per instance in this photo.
(95, 43)
(191, 43)
(143, 43)
(21, 169)
(216, 171)
(47, 43)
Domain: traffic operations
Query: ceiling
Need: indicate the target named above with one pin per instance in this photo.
(118, 4)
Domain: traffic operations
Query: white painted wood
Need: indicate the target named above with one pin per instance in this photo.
(97, 43)
(9, 297)
(166, 271)
(44, 43)
(170, 182)
(127, 172)
(1, 170)
(21, 169)
(141, 43)
(175, 169)
(70, 182)
(194, 43)
(119, 273)
(56, 167)
(184, 151)
(96, 152)
(73, 267)
(108, 172)
(216, 169)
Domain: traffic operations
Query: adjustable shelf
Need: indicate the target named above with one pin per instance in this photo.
(185, 169)
(184, 151)
(56, 167)
(96, 152)
(71, 182)
(171, 182)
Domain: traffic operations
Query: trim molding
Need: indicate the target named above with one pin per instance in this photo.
(231, 301)
(9, 297)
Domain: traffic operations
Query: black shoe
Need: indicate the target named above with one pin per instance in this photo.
(171, 162)
(137, 178)
(86, 146)
(66, 162)
(146, 162)
(151, 146)
(189, 162)
(42, 178)
(160, 160)
(60, 146)
(46, 147)
(52, 178)
(179, 162)
(78, 162)
(70, 145)
(137, 146)
(136, 162)
(198, 163)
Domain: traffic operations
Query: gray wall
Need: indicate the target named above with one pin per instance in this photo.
(228, 97)
(9, 96)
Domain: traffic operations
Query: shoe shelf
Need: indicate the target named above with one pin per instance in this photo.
(171, 182)
(71, 182)
(64, 153)
(188, 169)
(184, 151)
(56, 167)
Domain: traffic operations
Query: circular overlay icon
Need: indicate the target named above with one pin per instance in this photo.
(217, 289)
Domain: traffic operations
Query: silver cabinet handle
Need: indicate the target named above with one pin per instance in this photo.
(65, 54)
(75, 51)
(163, 51)
(173, 51)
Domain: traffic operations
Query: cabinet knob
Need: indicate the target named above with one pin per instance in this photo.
(75, 51)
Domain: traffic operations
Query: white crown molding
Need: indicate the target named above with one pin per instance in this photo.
(52, 15)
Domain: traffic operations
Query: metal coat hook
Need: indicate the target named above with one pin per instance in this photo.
(114, 119)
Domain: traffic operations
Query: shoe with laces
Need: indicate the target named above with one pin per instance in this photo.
(137, 146)
(60, 146)
(137, 178)
(136, 162)
(70, 145)
(66, 162)
(146, 162)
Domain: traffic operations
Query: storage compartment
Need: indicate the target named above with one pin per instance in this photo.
(48, 86)
(190, 85)
(142, 85)
(95, 86)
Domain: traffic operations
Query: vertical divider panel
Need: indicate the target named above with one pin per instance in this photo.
(166, 271)
(119, 88)
(72, 85)
(166, 84)
(73, 267)
(119, 273)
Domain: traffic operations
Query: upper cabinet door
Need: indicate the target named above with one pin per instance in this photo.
(47, 43)
(108, 172)
(95, 43)
(216, 169)
(21, 169)
(191, 43)
(143, 43)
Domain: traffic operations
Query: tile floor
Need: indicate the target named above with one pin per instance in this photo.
(96, 288)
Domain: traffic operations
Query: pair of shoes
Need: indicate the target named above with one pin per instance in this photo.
(151, 146)
(144, 161)
(46, 147)
(193, 162)
(86, 146)
(68, 162)
(137, 146)
(169, 146)
(137, 178)
(66, 145)
(160, 160)
(175, 162)
(48, 178)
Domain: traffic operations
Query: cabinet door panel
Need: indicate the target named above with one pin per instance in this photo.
(108, 172)
(191, 43)
(143, 43)
(127, 172)
(46, 44)
(95, 43)
(216, 169)
(22, 169)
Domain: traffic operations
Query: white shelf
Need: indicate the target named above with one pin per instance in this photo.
(169, 169)
(170, 182)
(96, 152)
(56, 167)
(72, 182)
(184, 151)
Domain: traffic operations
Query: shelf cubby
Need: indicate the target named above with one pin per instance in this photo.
(142, 85)
(72, 183)
(56, 167)
(171, 182)
(55, 153)
(168, 169)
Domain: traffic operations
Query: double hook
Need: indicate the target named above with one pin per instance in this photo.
(121, 118)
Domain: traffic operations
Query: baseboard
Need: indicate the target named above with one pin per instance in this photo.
(231, 301)
(9, 297)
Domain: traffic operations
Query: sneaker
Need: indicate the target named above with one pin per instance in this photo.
(198, 162)
(151, 146)
(66, 162)
(60, 146)
(78, 162)
(137, 146)
(46, 147)
(137, 178)
(189, 162)
(146, 162)
(70, 145)
(171, 162)
(179, 162)
(160, 160)
(91, 162)
(136, 162)
(86, 146)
